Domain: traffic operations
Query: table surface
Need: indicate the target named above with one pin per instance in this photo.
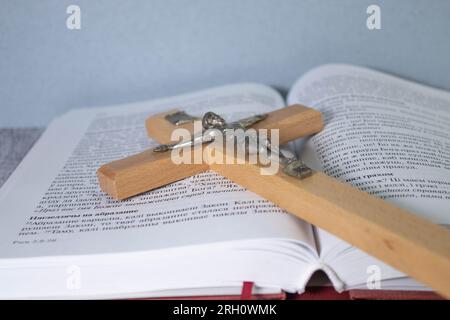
(14, 144)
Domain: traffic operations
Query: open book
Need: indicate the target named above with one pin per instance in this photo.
(60, 236)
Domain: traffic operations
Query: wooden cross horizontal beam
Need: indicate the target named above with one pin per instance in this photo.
(409, 243)
(148, 170)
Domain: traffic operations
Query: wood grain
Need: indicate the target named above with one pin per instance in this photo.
(145, 171)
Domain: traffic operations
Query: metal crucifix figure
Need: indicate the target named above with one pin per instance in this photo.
(292, 166)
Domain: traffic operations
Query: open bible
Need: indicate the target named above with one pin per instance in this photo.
(62, 237)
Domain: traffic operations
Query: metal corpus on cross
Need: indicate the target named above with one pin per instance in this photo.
(407, 242)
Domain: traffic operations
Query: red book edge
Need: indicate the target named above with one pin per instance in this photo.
(393, 295)
(246, 294)
(275, 296)
(328, 293)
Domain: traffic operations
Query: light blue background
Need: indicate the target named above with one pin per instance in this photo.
(135, 50)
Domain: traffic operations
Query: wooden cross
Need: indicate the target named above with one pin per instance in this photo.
(409, 243)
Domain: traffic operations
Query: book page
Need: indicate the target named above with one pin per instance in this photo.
(384, 135)
(52, 204)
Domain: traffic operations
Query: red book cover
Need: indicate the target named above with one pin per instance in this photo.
(318, 293)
